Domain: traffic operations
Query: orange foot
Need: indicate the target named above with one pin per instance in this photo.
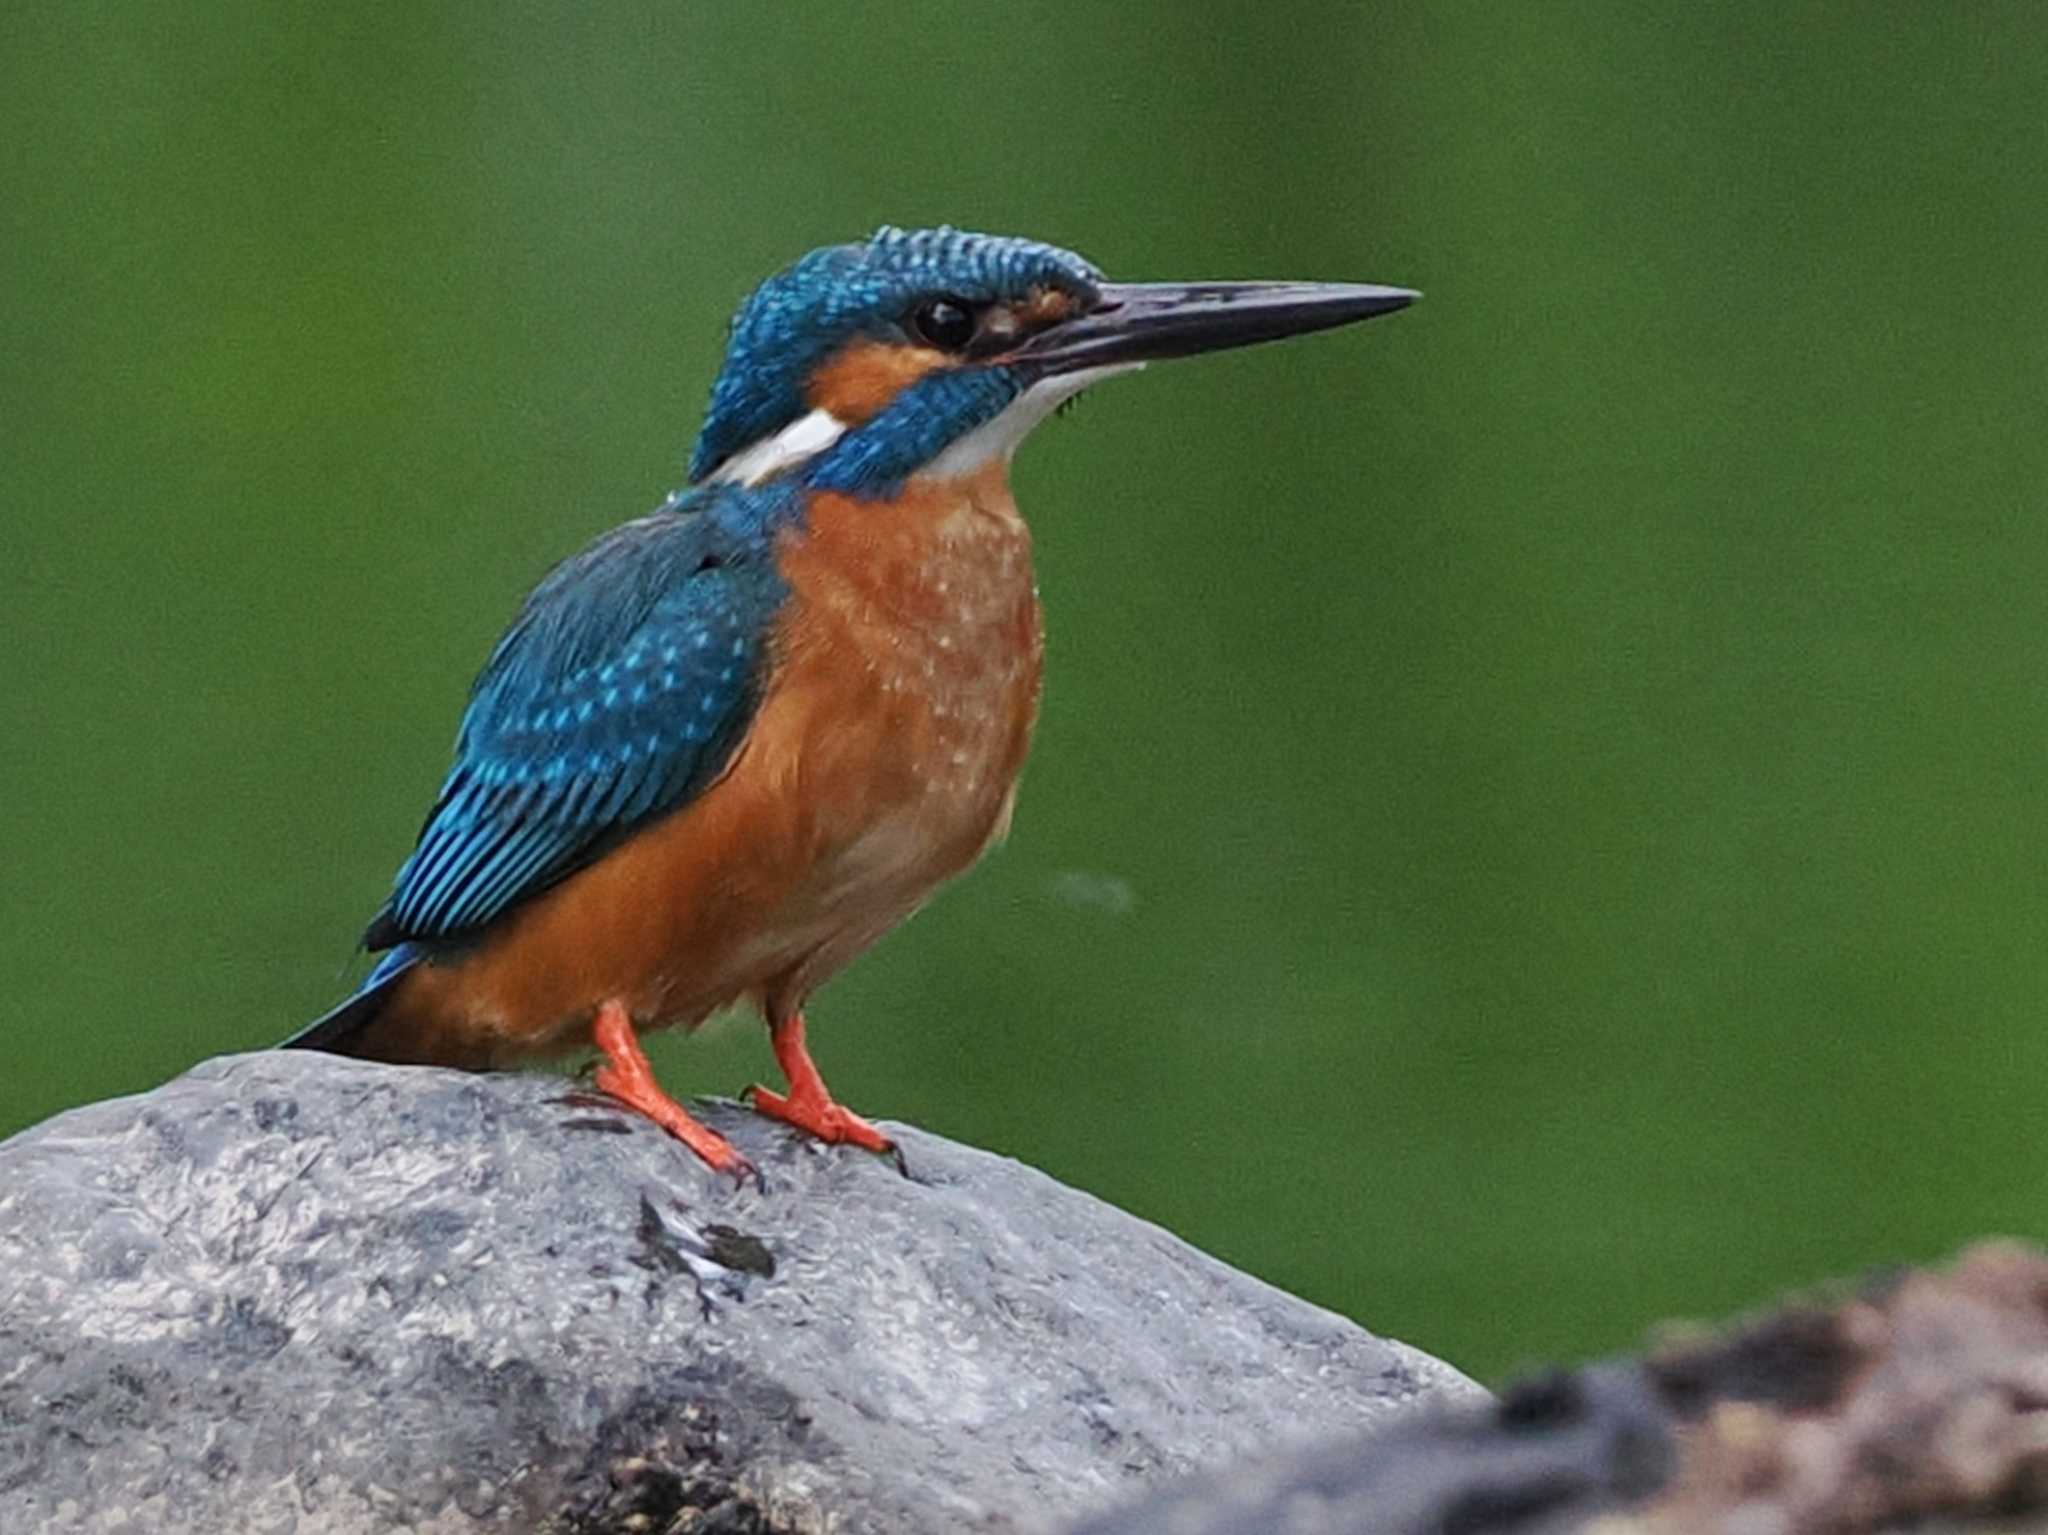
(626, 1075)
(809, 1104)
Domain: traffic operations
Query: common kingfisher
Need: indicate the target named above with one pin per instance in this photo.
(727, 747)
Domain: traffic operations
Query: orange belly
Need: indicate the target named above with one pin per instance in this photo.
(882, 761)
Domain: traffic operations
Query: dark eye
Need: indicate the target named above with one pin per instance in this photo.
(946, 323)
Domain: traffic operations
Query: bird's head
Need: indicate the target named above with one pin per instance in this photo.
(934, 351)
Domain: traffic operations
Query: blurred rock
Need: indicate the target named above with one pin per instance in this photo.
(1920, 1404)
(289, 1292)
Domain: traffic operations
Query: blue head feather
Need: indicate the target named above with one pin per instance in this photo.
(806, 312)
(914, 427)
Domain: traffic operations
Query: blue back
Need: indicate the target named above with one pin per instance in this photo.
(619, 690)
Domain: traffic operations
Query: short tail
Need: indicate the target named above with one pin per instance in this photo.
(333, 1030)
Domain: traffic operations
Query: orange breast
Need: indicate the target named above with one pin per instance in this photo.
(882, 760)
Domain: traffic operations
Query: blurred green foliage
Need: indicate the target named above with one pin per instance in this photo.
(1537, 819)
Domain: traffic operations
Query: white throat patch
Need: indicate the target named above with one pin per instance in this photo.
(804, 438)
(809, 435)
(998, 438)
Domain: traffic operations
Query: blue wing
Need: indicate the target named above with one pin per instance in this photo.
(620, 690)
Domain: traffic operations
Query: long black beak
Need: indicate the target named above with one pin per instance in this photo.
(1141, 321)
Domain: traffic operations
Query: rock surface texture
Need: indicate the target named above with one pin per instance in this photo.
(1919, 1404)
(288, 1292)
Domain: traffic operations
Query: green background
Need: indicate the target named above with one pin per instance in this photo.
(1536, 821)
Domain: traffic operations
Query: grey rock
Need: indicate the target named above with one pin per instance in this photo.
(288, 1292)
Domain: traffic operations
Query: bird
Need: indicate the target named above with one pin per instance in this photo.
(723, 749)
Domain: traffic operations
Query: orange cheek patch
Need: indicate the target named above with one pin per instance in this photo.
(863, 376)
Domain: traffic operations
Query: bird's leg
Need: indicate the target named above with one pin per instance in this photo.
(627, 1076)
(809, 1105)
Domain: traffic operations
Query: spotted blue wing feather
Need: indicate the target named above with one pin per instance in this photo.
(619, 691)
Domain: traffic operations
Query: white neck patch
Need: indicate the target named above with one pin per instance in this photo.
(809, 435)
(803, 439)
(998, 438)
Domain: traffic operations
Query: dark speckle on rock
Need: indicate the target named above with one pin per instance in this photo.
(247, 1328)
(589, 1126)
(273, 1113)
(737, 1250)
(657, 1249)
